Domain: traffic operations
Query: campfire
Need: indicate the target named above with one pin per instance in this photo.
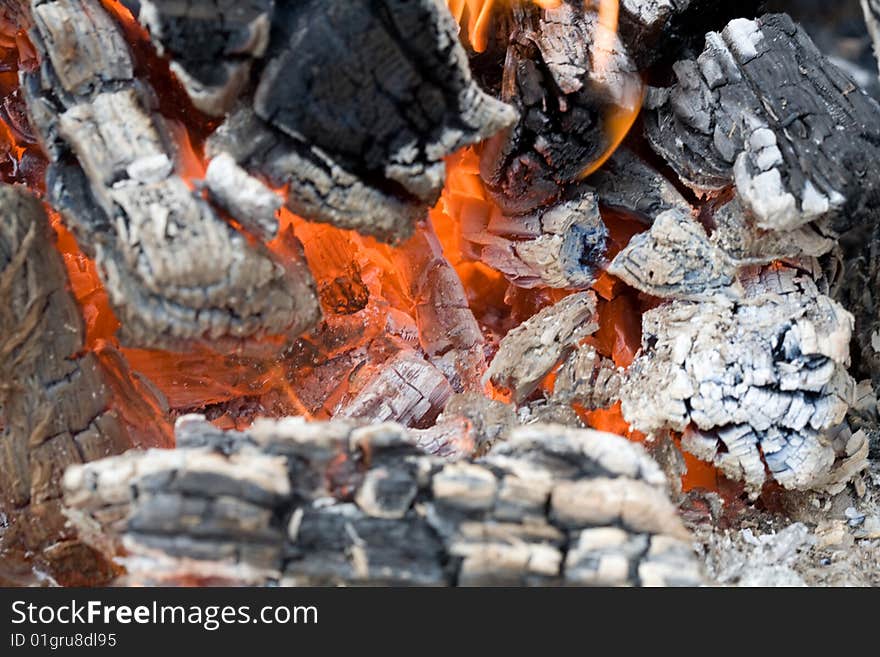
(415, 292)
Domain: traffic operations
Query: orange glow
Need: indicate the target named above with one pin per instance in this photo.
(366, 288)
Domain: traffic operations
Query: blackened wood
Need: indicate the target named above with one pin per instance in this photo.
(551, 506)
(175, 272)
(872, 20)
(211, 44)
(762, 108)
(59, 404)
(659, 30)
(358, 104)
(627, 182)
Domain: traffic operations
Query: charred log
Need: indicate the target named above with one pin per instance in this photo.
(58, 403)
(658, 30)
(628, 183)
(303, 504)
(175, 272)
(211, 44)
(564, 98)
(762, 108)
(872, 19)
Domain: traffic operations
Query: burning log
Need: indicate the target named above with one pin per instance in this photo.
(763, 108)
(176, 273)
(560, 246)
(529, 352)
(59, 404)
(575, 87)
(758, 384)
(359, 139)
(334, 503)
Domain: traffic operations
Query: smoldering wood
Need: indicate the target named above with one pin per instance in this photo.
(563, 102)
(360, 138)
(58, 402)
(797, 152)
(334, 503)
(759, 384)
(675, 260)
(531, 350)
(588, 379)
(560, 246)
(175, 272)
(628, 183)
(406, 389)
(448, 332)
(211, 44)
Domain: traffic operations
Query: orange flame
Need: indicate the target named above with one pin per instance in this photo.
(479, 17)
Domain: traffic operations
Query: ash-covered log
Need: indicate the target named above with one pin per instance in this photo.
(759, 384)
(588, 379)
(675, 260)
(175, 271)
(762, 108)
(59, 404)
(301, 503)
(355, 109)
(569, 77)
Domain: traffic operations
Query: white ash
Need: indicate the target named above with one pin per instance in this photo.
(758, 384)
